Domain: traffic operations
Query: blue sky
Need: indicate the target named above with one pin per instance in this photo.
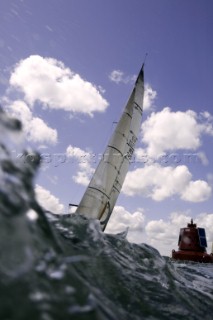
(67, 69)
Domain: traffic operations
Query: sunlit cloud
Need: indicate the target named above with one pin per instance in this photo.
(159, 183)
(150, 96)
(167, 131)
(35, 128)
(196, 191)
(83, 160)
(119, 76)
(121, 219)
(48, 201)
(55, 86)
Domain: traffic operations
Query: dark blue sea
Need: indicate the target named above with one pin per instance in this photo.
(64, 267)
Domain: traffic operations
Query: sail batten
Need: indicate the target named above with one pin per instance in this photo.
(102, 192)
(115, 149)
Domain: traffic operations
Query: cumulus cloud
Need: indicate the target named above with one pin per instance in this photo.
(159, 183)
(196, 191)
(48, 81)
(40, 132)
(166, 130)
(48, 201)
(83, 159)
(118, 76)
(81, 155)
(205, 220)
(166, 231)
(207, 119)
(122, 219)
(35, 128)
(149, 97)
(163, 234)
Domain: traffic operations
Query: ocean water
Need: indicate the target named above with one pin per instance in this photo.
(64, 267)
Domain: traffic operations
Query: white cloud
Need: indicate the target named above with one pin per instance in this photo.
(35, 128)
(167, 130)
(160, 183)
(122, 219)
(78, 153)
(48, 81)
(141, 156)
(205, 220)
(118, 76)
(196, 191)
(20, 110)
(48, 201)
(149, 97)
(40, 132)
(164, 234)
(207, 119)
(165, 231)
(82, 177)
(83, 159)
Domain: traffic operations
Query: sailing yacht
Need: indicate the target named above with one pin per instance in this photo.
(103, 190)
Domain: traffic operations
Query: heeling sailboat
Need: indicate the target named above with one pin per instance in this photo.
(103, 190)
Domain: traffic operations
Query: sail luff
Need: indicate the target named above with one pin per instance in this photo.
(102, 192)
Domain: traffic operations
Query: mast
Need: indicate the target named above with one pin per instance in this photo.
(102, 192)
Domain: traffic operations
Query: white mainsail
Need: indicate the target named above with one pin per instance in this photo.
(102, 192)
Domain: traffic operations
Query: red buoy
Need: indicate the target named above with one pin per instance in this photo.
(192, 245)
